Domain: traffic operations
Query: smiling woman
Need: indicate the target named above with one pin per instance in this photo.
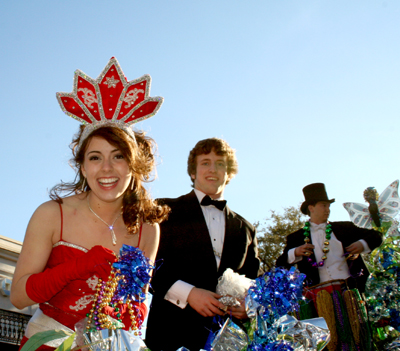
(110, 166)
(72, 240)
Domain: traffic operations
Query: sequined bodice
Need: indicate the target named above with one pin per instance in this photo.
(77, 296)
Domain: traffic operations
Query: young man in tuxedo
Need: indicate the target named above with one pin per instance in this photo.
(328, 251)
(200, 240)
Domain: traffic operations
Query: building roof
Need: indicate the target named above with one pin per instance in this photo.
(10, 245)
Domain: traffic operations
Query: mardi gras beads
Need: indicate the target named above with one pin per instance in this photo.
(325, 250)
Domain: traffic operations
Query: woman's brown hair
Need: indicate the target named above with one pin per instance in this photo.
(137, 205)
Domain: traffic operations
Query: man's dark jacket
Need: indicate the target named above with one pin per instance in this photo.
(345, 232)
(186, 254)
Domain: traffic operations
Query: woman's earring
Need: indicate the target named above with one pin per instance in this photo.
(83, 185)
(133, 183)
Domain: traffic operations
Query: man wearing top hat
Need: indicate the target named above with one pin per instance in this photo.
(325, 250)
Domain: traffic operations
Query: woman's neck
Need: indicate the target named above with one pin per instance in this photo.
(106, 210)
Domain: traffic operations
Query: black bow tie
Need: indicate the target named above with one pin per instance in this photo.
(207, 201)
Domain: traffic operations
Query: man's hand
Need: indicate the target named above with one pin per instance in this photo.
(354, 250)
(238, 312)
(304, 250)
(205, 302)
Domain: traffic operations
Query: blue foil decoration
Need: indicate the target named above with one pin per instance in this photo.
(280, 345)
(278, 291)
(268, 301)
(270, 297)
(136, 269)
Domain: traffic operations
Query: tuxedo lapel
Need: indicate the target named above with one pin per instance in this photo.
(194, 215)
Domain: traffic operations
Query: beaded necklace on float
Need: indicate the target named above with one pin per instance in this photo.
(129, 275)
(325, 250)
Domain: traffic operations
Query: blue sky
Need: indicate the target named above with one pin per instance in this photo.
(305, 91)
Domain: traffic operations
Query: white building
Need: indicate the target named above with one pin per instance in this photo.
(12, 320)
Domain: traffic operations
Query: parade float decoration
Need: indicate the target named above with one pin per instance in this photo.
(124, 288)
(103, 327)
(383, 285)
(344, 312)
(268, 301)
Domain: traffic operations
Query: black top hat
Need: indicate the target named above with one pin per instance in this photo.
(313, 193)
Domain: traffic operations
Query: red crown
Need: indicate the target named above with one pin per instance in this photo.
(109, 100)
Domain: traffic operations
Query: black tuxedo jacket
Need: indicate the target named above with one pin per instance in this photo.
(347, 233)
(185, 253)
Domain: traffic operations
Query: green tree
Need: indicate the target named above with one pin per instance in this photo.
(272, 234)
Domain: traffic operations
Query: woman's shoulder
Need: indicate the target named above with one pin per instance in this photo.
(73, 202)
(53, 205)
(47, 208)
(51, 211)
(44, 222)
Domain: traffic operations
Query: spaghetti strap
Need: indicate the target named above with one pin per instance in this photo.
(61, 212)
(140, 235)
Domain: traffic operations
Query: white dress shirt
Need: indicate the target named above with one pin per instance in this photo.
(335, 265)
(215, 220)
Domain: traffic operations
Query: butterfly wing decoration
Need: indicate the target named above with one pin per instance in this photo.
(359, 214)
(388, 204)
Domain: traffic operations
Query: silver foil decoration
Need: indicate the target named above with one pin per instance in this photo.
(229, 301)
(107, 339)
(310, 334)
(251, 307)
(393, 346)
(113, 340)
(230, 338)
